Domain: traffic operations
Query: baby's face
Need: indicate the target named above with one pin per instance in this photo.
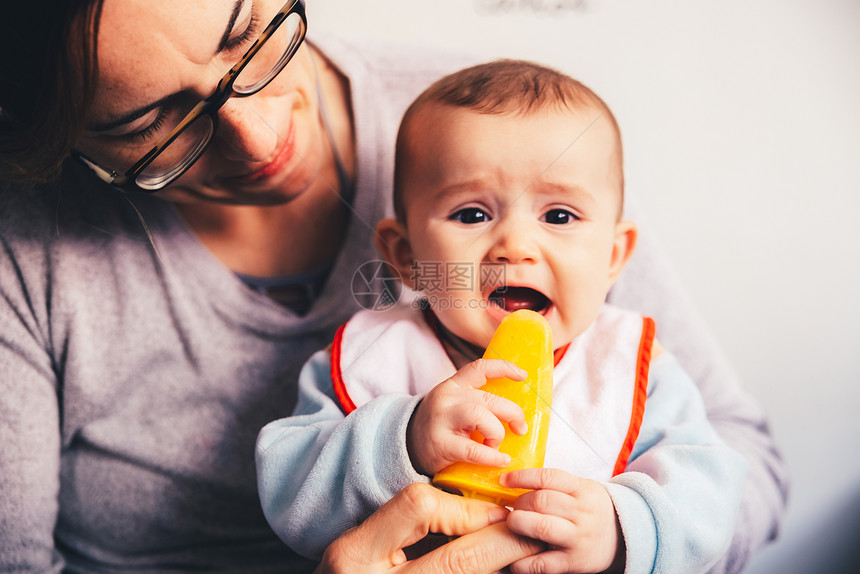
(506, 212)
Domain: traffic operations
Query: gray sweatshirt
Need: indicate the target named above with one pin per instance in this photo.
(136, 370)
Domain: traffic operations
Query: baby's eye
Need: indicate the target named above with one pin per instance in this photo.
(559, 217)
(470, 215)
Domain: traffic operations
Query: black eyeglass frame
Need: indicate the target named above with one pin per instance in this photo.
(209, 106)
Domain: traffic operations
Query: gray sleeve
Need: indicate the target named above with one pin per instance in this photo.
(29, 424)
(649, 286)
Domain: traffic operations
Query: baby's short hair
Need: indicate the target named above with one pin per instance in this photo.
(516, 87)
(507, 86)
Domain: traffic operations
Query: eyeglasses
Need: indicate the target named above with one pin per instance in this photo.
(191, 135)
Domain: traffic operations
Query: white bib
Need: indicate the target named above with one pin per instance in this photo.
(599, 383)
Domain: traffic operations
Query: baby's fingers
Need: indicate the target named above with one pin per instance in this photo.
(473, 416)
(548, 528)
(476, 373)
(543, 478)
(559, 534)
(468, 450)
(506, 411)
(572, 547)
(550, 502)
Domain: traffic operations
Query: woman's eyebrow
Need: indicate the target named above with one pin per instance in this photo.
(143, 110)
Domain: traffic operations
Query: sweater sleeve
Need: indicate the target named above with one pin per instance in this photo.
(321, 473)
(29, 425)
(677, 501)
(649, 285)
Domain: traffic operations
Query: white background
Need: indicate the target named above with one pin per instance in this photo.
(741, 122)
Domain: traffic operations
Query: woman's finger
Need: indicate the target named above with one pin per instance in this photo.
(416, 511)
(482, 552)
(548, 562)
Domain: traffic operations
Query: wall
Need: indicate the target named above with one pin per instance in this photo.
(742, 135)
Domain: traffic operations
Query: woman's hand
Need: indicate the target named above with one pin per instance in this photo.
(376, 546)
(439, 432)
(574, 516)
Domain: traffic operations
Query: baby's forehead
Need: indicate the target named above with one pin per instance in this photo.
(432, 116)
(436, 129)
(447, 151)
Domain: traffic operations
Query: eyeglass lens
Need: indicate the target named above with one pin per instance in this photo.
(272, 57)
(178, 156)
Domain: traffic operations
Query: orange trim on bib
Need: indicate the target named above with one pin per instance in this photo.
(337, 382)
(559, 354)
(640, 393)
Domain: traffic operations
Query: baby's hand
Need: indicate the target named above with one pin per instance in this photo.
(438, 434)
(573, 515)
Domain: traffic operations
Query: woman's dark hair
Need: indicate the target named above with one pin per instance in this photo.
(47, 80)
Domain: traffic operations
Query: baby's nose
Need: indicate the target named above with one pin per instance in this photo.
(514, 244)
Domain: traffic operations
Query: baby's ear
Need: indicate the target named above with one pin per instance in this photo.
(392, 242)
(626, 234)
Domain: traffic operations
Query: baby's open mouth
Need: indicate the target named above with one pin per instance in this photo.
(514, 298)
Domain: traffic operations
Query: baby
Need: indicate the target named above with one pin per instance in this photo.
(508, 195)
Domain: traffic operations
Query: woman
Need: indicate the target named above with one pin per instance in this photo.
(147, 335)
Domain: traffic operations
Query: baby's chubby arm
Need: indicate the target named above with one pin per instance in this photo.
(320, 472)
(439, 431)
(320, 463)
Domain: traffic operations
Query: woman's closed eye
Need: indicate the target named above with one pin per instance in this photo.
(141, 128)
(157, 123)
(470, 215)
(150, 130)
(241, 41)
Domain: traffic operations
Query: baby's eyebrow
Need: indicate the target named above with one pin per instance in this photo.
(462, 187)
(459, 188)
(568, 191)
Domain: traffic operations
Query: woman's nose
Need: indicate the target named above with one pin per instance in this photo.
(243, 134)
(515, 242)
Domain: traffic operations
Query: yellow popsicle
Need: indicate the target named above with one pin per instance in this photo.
(524, 338)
